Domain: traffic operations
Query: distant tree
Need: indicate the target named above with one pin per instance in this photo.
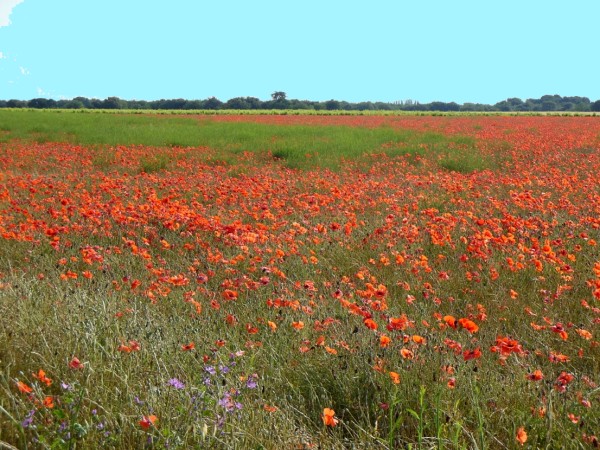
(86, 102)
(364, 106)
(278, 96)
(41, 103)
(73, 104)
(241, 103)
(549, 105)
(332, 105)
(193, 104)
(212, 103)
(16, 103)
(113, 103)
(441, 106)
(595, 106)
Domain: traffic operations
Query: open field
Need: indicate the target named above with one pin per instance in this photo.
(299, 281)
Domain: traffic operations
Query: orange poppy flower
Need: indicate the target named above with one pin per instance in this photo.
(298, 325)
(407, 354)
(450, 321)
(187, 347)
(419, 339)
(537, 375)
(395, 377)
(48, 402)
(229, 294)
(384, 341)
(521, 436)
(148, 421)
(328, 417)
(24, 388)
(472, 354)
(370, 324)
(41, 375)
(468, 325)
(75, 363)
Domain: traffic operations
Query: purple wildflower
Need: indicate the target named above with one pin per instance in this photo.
(251, 382)
(28, 419)
(177, 384)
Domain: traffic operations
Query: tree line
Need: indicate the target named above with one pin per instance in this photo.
(279, 100)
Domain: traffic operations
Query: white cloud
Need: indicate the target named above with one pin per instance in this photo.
(2, 55)
(6, 7)
(24, 71)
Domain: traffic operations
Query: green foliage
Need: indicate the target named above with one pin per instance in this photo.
(298, 146)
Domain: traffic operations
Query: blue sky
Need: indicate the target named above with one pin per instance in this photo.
(380, 50)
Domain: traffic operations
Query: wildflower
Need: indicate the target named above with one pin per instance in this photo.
(537, 375)
(28, 421)
(328, 417)
(251, 382)
(148, 421)
(177, 384)
(48, 402)
(23, 387)
(228, 402)
(472, 354)
(395, 377)
(41, 376)
(384, 341)
(521, 436)
(75, 363)
(188, 347)
(370, 324)
(468, 325)
(407, 354)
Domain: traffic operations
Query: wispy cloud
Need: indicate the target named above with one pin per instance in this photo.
(6, 7)
(23, 70)
(2, 55)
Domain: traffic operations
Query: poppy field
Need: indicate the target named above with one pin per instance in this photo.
(266, 281)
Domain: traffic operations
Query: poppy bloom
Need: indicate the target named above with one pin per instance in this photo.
(468, 325)
(407, 354)
(328, 417)
(187, 347)
(521, 436)
(148, 421)
(537, 375)
(397, 323)
(384, 341)
(48, 402)
(229, 294)
(450, 321)
(472, 354)
(23, 387)
(75, 363)
(41, 375)
(395, 377)
(298, 325)
(370, 324)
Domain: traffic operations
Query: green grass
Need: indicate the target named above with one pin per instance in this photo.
(297, 146)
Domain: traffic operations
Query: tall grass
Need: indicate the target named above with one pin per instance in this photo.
(298, 146)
